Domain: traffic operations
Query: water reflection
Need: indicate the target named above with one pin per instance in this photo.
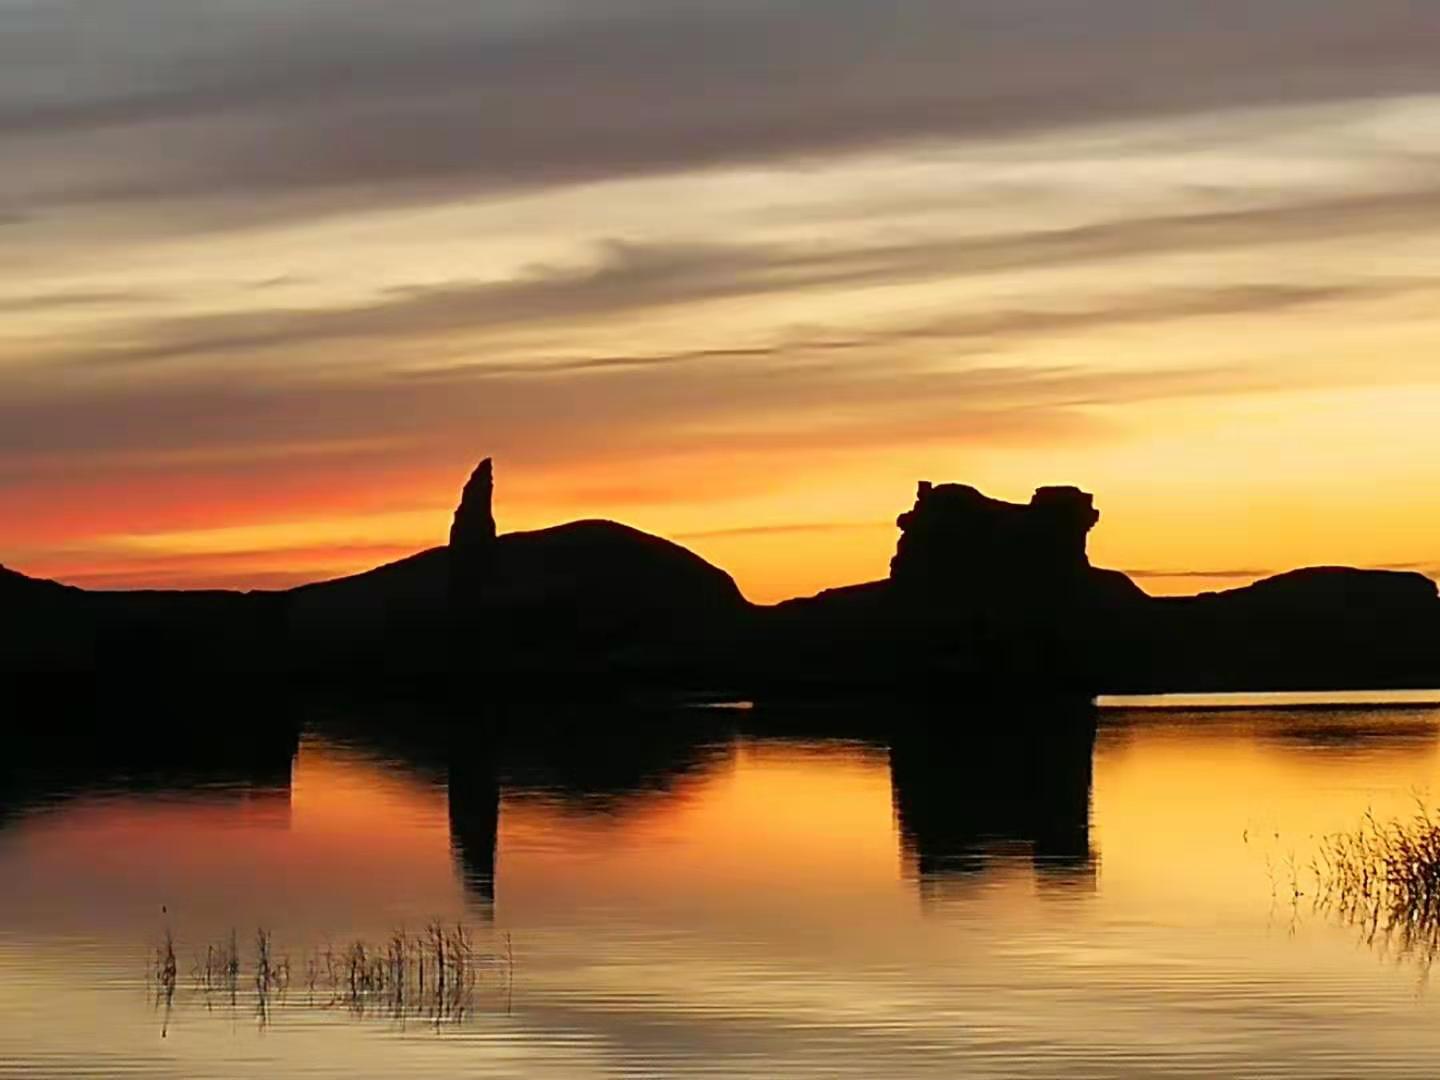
(750, 892)
(968, 796)
(605, 761)
(960, 798)
(1398, 731)
(957, 798)
(75, 759)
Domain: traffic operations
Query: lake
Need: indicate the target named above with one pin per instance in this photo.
(719, 891)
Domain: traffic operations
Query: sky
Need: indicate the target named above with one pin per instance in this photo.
(274, 275)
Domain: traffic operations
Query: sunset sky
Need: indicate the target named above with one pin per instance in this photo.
(276, 273)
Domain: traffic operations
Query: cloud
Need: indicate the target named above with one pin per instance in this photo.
(325, 402)
(994, 330)
(624, 278)
(131, 119)
(1227, 573)
(259, 102)
(200, 424)
(60, 301)
(789, 529)
(1428, 568)
(227, 390)
(200, 574)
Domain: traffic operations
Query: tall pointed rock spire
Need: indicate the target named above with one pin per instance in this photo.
(474, 525)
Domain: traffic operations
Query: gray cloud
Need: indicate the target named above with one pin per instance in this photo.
(140, 99)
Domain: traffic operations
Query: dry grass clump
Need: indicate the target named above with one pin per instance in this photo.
(433, 975)
(220, 969)
(1384, 877)
(165, 977)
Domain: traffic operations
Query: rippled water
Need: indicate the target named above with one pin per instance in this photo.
(723, 893)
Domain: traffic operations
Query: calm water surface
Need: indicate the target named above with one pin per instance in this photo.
(709, 893)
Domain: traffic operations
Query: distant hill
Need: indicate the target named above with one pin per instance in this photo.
(589, 596)
(1317, 628)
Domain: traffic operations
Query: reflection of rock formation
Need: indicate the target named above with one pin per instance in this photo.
(599, 760)
(440, 747)
(593, 760)
(474, 796)
(1360, 732)
(71, 759)
(585, 761)
(959, 797)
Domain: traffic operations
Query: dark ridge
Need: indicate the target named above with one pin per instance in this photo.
(1329, 589)
(983, 596)
(14, 585)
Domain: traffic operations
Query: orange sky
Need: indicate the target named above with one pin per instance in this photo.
(253, 345)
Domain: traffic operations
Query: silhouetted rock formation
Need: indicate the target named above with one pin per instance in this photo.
(473, 548)
(474, 525)
(591, 600)
(982, 595)
(962, 544)
(961, 551)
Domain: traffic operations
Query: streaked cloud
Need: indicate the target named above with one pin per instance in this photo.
(140, 100)
(789, 528)
(623, 278)
(1250, 572)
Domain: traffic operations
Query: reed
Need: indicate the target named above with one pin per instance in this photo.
(1384, 877)
(165, 978)
(165, 964)
(433, 975)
